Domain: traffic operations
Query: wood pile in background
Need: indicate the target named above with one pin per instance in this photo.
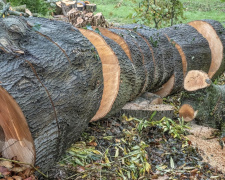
(80, 15)
(83, 18)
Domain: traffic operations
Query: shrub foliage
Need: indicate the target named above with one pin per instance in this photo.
(157, 12)
(35, 6)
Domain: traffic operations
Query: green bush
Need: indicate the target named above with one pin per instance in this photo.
(161, 13)
(35, 6)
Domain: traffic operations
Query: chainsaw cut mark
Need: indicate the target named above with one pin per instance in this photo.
(215, 44)
(111, 72)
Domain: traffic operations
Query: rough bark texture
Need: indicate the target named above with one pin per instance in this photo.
(127, 77)
(209, 106)
(194, 46)
(151, 66)
(216, 43)
(55, 81)
(137, 59)
(56, 74)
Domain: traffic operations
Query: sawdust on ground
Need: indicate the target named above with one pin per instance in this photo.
(209, 147)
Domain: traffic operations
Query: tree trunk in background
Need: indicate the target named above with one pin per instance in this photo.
(55, 78)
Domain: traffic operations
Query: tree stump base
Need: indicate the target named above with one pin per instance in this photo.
(142, 111)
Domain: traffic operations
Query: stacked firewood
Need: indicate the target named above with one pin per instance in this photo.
(83, 18)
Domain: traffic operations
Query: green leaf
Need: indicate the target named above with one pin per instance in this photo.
(117, 152)
(77, 161)
(36, 27)
(108, 138)
(148, 167)
(153, 114)
(97, 31)
(171, 163)
(135, 147)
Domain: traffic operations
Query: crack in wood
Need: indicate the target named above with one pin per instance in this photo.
(50, 98)
(48, 38)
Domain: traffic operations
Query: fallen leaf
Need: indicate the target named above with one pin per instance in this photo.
(18, 169)
(3, 169)
(80, 169)
(117, 140)
(6, 164)
(9, 178)
(17, 177)
(194, 172)
(92, 144)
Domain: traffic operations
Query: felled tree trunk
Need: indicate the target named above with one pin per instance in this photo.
(203, 101)
(55, 78)
(57, 82)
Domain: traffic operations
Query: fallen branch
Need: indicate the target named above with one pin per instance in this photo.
(6, 10)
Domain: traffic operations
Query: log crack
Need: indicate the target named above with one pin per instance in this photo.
(49, 96)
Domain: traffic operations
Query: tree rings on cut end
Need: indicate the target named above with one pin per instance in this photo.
(196, 80)
(16, 139)
(187, 112)
(111, 72)
(215, 44)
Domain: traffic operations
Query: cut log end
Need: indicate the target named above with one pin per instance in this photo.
(196, 80)
(166, 88)
(215, 44)
(111, 72)
(187, 112)
(145, 112)
(16, 139)
(182, 55)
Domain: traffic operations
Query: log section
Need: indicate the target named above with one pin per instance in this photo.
(59, 78)
(203, 101)
(55, 80)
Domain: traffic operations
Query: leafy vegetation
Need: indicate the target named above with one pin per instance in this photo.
(131, 148)
(37, 6)
(162, 13)
(193, 10)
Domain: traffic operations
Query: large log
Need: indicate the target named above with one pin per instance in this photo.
(56, 78)
(203, 101)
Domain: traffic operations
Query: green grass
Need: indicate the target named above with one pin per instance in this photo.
(204, 9)
(115, 15)
(194, 10)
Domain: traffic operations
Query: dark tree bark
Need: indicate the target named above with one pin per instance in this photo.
(203, 101)
(45, 72)
(55, 78)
